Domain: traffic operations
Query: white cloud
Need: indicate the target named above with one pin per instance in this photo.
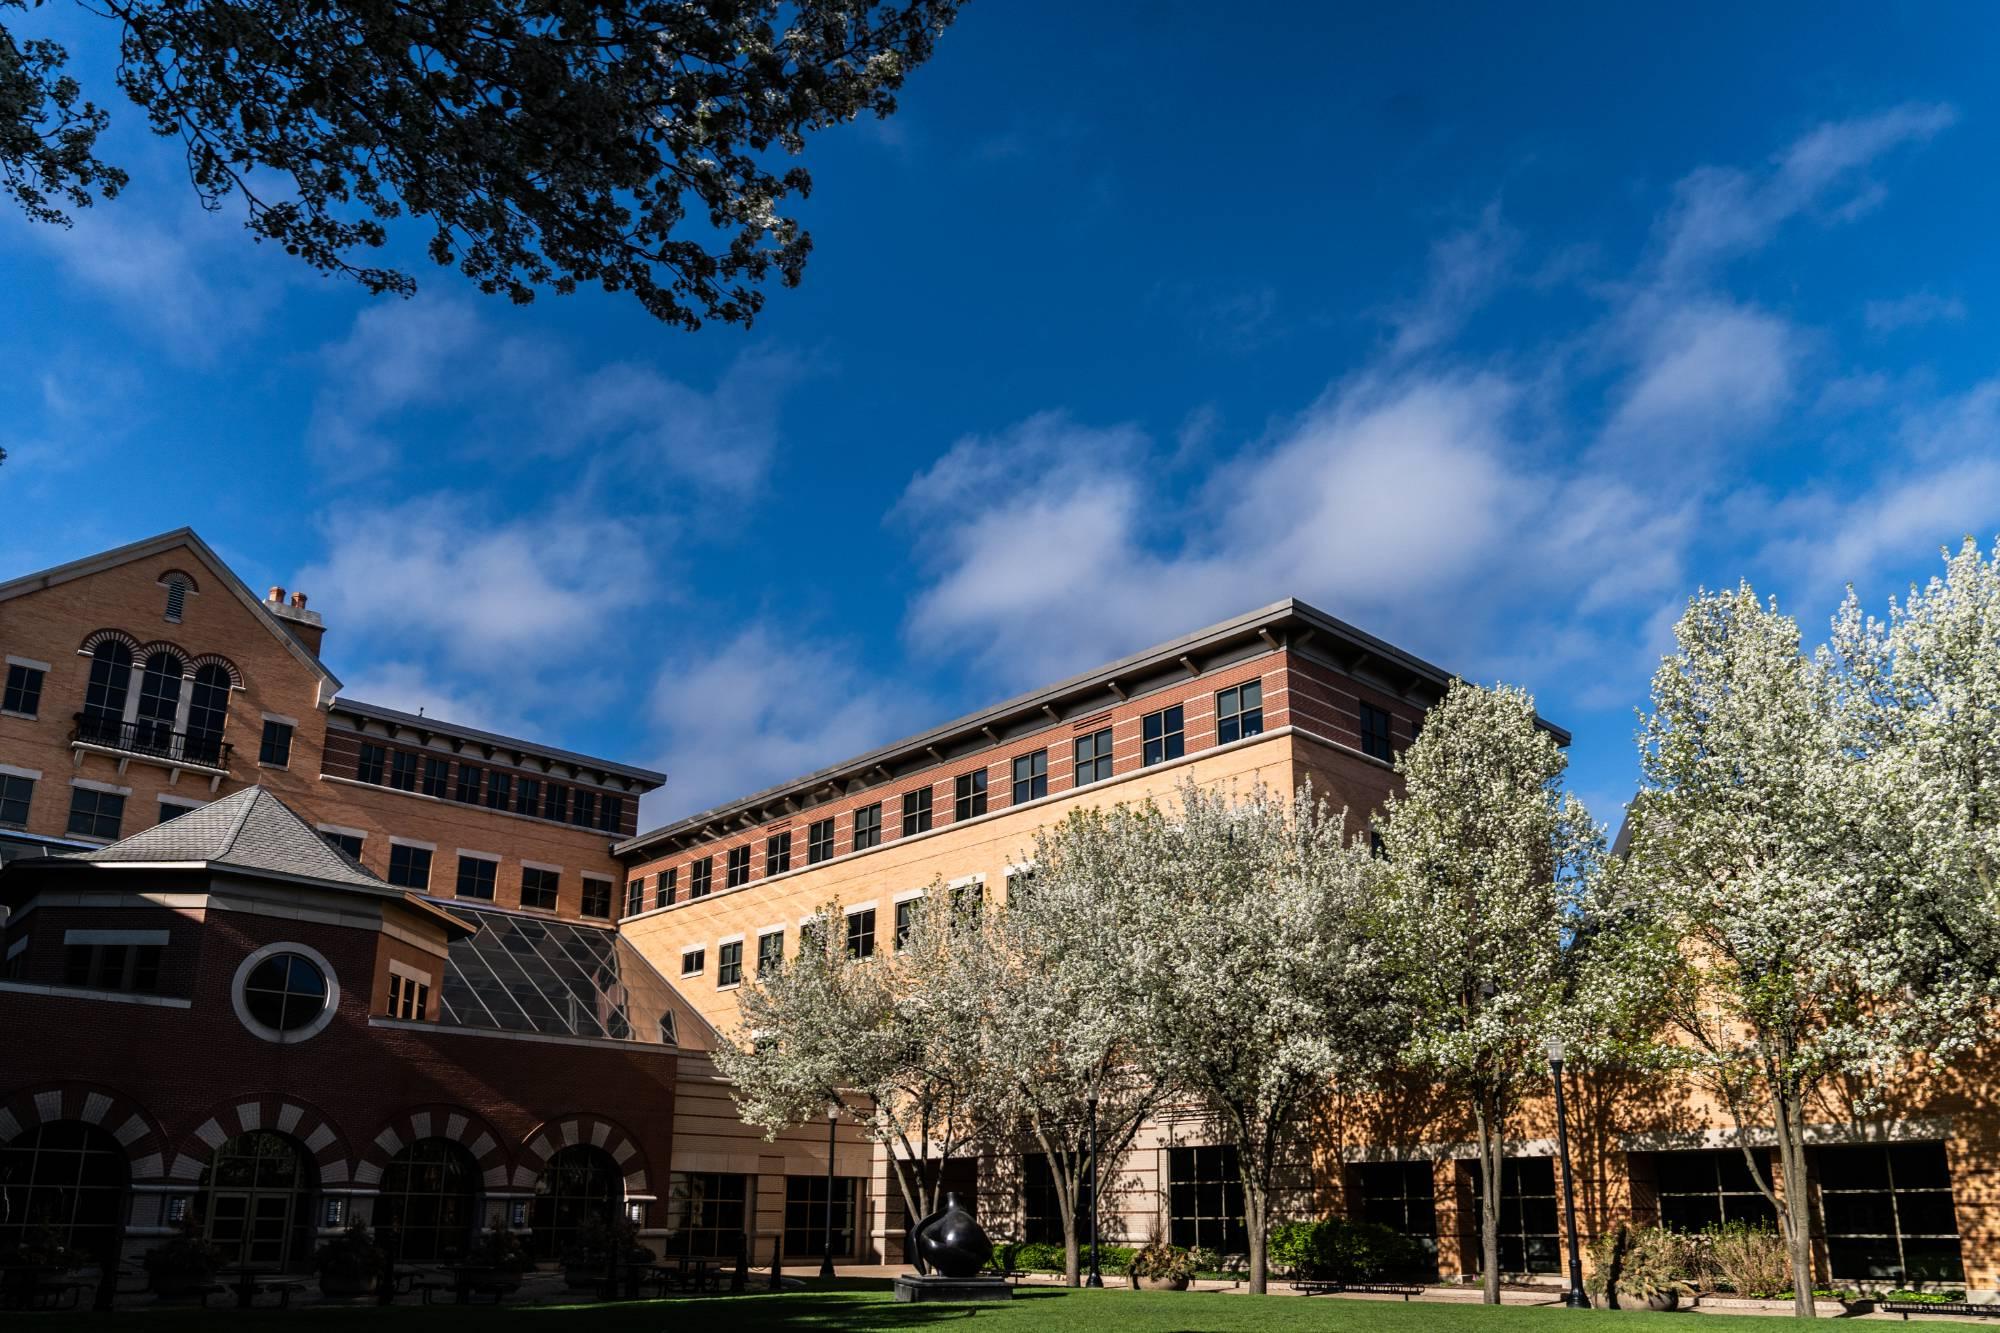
(764, 705)
(1705, 367)
(1466, 269)
(1913, 311)
(1722, 212)
(499, 396)
(480, 590)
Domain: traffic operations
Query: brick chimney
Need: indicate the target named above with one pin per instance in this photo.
(306, 625)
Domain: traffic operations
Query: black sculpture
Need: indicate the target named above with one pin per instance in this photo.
(949, 1242)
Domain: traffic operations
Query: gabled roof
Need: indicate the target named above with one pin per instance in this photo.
(250, 832)
(167, 541)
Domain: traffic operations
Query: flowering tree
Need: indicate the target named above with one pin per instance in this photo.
(1773, 876)
(1256, 976)
(893, 1040)
(1060, 1027)
(1489, 867)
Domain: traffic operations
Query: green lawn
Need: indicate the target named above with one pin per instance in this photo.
(862, 1305)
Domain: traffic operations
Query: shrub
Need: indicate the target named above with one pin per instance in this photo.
(1339, 1250)
(499, 1249)
(184, 1264)
(1745, 1259)
(1161, 1260)
(1638, 1263)
(350, 1259)
(1037, 1257)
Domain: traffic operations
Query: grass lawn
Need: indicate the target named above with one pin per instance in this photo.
(858, 1304)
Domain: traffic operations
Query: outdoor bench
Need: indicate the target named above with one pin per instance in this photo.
(1908, 1308)
(1325, 1287)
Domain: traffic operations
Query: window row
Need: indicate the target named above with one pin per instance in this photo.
(477, 876)
(494, 788)
(1239, 714)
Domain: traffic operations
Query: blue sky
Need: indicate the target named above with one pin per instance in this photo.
(1493, 333)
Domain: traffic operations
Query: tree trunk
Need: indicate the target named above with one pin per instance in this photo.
(1794, 1215)
(1072, 1244)
(1256, 1220)
(1486, 1115)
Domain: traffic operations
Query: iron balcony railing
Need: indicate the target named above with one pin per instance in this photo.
(155, 740)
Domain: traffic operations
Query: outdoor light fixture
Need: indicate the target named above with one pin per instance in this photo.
(1575, 1298)
(635, 1212)
(336, 1209)
(517, 1216)
(826, 1244)
(177, 1209)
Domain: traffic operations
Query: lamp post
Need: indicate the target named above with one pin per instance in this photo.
(1575, 1298)
(826, 1241)
(1096, 1278)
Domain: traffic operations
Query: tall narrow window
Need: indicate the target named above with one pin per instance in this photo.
(770, 952)
(369, 769)
(539, 887)
(208, 713)
(159, 702)
(916, 811)
(468, 783)
(596, 896)
(499, 787)
(663, 892)
(701, 877)
(1031, 777)
(476, 877)
(868, 827)
(528, 797)
(24, 690)
(110, 682)
(1239, 712)
(1162, 735)
(15, 794)
(403, 770)
(968, 795)
(1093, 757)
(729, 964)
(861, 934)
(409, 867)
(275, 749)
(585, 811)
(437, 777)
(635, 895)
(1375, 733)
(819, 842)
(777, 854)
(95, 814)
(556, 805)
(738, 872)
(906, 921)
(612, 817)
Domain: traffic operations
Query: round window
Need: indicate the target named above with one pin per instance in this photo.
(285, 992)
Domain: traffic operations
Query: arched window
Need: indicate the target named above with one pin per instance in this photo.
(256, 1201)
(428, 1207)
(579, 1183)
(104, 700)
(159, 702)
(208, 711)
(67, 1179)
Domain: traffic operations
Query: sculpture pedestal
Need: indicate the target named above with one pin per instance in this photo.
(932, 1287)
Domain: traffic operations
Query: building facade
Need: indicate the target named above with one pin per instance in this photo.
(576, 971)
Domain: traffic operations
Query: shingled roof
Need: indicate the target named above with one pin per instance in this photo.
(248, 830)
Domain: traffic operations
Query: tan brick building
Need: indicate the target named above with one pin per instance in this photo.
(507, 836)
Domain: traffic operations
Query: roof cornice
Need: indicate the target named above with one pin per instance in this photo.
(439, 727)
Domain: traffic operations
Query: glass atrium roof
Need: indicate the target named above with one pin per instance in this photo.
(557, 978)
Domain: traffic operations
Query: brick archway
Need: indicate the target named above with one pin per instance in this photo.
(460, 1126)
(551, 1136)
(109, 1110)
(289, 1116)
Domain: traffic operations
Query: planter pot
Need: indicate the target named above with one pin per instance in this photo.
(1160, 1283)
(1664, 1300)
